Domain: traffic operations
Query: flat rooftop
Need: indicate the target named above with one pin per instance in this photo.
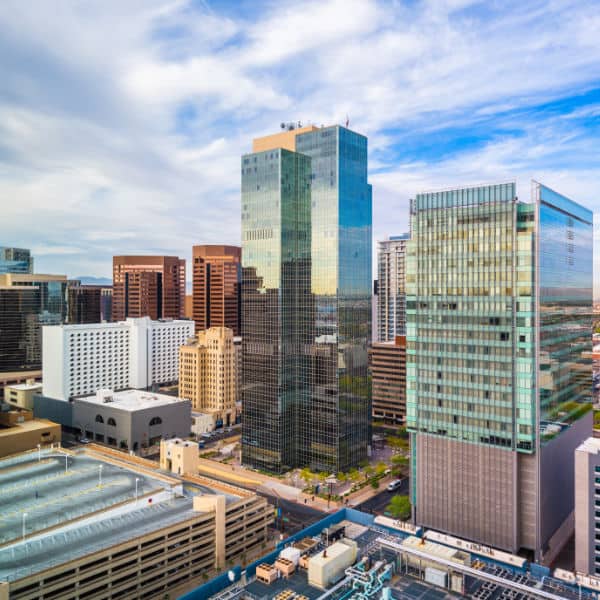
(591, 446)
(26, 386)
(384, 548)
(72, 504)
(19, 428)
(131, 400)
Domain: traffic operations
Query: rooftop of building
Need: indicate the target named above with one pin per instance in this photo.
(26, 426)
(118, 324)
(591, 446)
(26, 387)
(58, 505)
(488, 574)
(131, 400)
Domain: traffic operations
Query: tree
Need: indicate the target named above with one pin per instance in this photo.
(342, 477)
(399, 507)
(369, 472)
(380, 468)
(399, 463)
(307, 475)
(354, 475)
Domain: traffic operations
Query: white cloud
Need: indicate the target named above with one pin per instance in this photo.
(122, 124)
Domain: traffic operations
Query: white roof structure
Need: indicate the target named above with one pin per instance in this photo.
(131, 400)
(591, 446)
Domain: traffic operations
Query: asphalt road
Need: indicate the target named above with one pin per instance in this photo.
(294, 517)
(377, 504)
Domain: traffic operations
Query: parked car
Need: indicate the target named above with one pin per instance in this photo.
(394, 485)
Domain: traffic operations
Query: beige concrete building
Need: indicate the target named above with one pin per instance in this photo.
(19, 432)
(179, 456)
(16, 377)
(587, 512)
(132, 533)
(207, 374)
(21, 395)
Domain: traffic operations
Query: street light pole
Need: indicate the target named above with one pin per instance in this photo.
(66, 463)
(23, 525)
(39, 447)
(136, 489)
(99, 476)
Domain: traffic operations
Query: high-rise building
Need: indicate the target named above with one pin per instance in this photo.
(391, 283)
(207, 375)
(27, 302)
(587, 513)
(499, 302)
(388, 376)
(137, 353)
(85, 303)
(306, 300)
(15, 260)
(216, 287)
(148, 286)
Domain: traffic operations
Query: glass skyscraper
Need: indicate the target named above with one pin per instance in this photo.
(15, 260)
(27, 302)
(315, 413)
(499, 301)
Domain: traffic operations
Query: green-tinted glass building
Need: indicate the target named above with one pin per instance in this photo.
(315, 410)
(499, 303)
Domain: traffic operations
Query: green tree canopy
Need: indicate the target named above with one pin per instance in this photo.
(399, 507)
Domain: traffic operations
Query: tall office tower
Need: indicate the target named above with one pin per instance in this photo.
(216, 287)
(207, 375)
(388, 376)
(587, 515)
(306, 300)
(106, 303)
(15, 260)
(27, 302)
(84, 303)
(499, 303)
(148, 286)
(391, 284)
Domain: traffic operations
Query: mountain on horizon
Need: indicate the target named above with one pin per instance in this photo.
(88, 280)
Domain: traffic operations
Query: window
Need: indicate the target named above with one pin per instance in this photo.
(99, 419)
(155, 421)
(111, 422)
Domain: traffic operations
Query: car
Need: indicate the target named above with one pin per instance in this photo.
(394, 485)
(84, 440)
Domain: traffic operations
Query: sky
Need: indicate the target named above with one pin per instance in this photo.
(122, 123)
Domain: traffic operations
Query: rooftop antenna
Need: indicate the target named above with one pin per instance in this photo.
(347, 120)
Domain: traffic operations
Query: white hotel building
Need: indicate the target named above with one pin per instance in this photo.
(78, 360)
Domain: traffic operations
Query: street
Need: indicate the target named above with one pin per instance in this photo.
(294, 516)
(377, 504)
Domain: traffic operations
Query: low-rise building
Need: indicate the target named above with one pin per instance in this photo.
(202, 423)
(21, 395)
(125, 529)
(19, 431)
(587, 512)
(131, 419)
(78, 360)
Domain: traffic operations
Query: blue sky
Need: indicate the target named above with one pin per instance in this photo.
(122, 123)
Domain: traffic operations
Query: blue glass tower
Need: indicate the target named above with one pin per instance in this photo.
(326, 397)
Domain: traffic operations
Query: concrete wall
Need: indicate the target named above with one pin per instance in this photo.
(20, 439)
(557, 484)
(468, 490)
(53, 363)
(58, 411)
(585, 464)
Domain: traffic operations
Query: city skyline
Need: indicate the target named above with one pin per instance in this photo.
(103, 165)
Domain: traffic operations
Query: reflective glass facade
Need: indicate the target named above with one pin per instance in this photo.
(341, 201)
(315, 412)
(25, 306)
(499, 299)
(15, 260)
(277, 309)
